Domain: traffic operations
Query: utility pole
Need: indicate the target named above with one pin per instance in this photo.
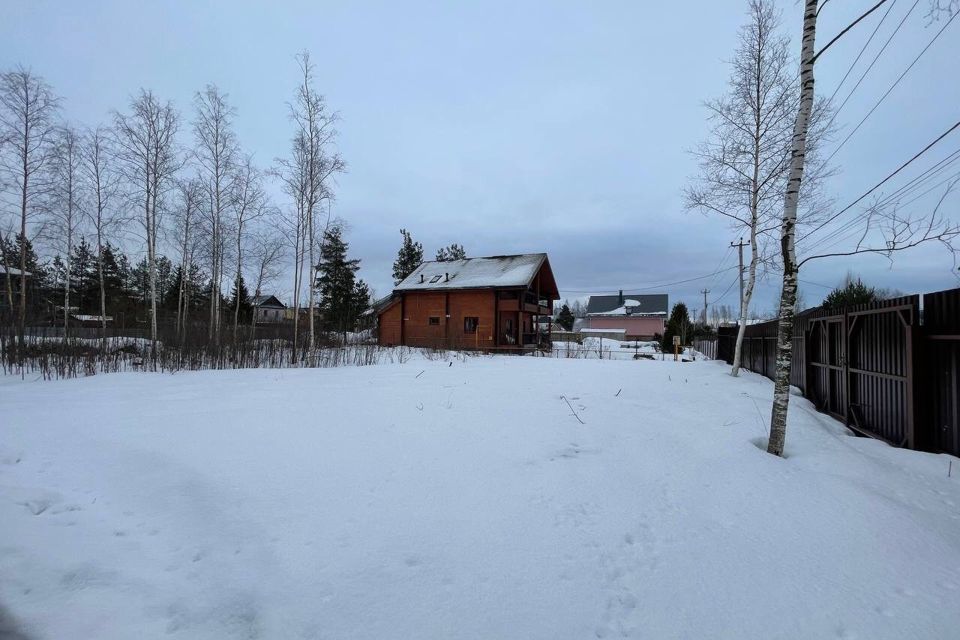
(705, 292)
(740, 245)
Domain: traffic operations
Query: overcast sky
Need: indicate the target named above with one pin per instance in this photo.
(510, 127)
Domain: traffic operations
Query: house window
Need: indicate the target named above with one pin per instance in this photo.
(435, 279)
(470, 324)
(434, 320)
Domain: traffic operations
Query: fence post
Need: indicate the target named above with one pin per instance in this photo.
(913, 380)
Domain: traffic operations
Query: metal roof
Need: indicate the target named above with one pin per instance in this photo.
(475, 273)
(651, 304)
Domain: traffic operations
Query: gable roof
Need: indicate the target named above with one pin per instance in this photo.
(267, 301)
(479, 273)
(13, 271)
(628, 304)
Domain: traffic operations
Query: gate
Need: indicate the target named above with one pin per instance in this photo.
(862, 367)
(826, 342)
(879, 368)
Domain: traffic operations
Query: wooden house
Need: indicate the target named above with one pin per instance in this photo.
(491, 303)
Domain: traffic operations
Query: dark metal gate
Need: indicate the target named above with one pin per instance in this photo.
(826, 342)
(879, 368)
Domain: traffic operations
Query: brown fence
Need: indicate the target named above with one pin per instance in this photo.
(875, 367)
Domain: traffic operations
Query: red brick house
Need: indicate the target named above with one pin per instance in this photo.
(491, 303)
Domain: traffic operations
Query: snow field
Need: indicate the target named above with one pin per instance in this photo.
(462, 499)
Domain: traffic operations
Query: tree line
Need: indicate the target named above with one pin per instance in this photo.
(179, 191)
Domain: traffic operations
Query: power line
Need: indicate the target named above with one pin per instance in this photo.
(892, 87)
(873, 62)
(909, 188)
(879, 184)
(647, 288)
(864, 48)
(725, 292)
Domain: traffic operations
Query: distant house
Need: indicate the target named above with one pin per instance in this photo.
(87, 320)
(13, 275)
(267, 310)
(638, 316)
(490, 303)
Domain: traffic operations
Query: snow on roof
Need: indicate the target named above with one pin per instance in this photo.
(629, 308)
(634, 305)
(475, 273)
(590, 330)
(13, 271)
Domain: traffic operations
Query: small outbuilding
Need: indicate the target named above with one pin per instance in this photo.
(267, 310)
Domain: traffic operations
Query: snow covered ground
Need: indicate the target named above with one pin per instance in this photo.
(466, 501)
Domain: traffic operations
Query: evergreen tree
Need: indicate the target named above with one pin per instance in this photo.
(336, 283)
(164, 278)
(139, 282)
(240, 295)
(360, 300)
(852, 292)
(83, 277)
(408, 259)
(12, 257)
(565, 318)
(453, 252)
(58, 273)
(113, 278)
(677, 325)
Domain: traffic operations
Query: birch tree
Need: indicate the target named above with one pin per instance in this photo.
(28, 108)
(148, 158)
(101, 180)
(319, 162)
(66, 180)
(216, 154)
(248, 204)
(189, 200)
(744, 163)
(884, 227)
(788, 294)
(292, 172)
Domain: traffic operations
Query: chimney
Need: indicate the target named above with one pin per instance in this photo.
(620, 298)
(446, 277)
(421, 278)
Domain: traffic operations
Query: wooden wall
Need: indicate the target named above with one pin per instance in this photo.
(419, 306)
(389, 330)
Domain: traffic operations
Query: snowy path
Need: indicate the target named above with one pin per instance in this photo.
(464, 503)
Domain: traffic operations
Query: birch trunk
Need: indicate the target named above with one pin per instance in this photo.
(788, 294)
(66, 284)
(103, 291)
(6, 269)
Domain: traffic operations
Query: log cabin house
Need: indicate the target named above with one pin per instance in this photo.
(491, 303)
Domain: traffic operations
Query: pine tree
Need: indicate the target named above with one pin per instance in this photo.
(58, 273)
(113, 280)
(565, 318)
(336, 283)
(83, 276)
(453, 252)
(408, 259)
(239, 295)
(33, 264)
(360, 300)
(677, 325)
(851, 293)
(139, 284)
